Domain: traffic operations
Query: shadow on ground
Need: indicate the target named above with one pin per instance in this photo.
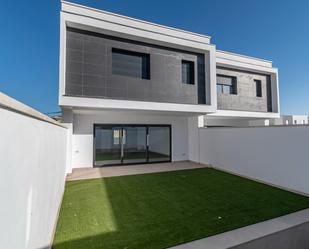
(164, 209)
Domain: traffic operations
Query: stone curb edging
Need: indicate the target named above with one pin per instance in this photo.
(251, 233)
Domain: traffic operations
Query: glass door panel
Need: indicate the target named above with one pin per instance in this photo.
(129, 144)
(107, 145)
(159, 147)
(134, 144)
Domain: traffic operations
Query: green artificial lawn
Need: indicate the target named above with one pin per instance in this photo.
(164, 209)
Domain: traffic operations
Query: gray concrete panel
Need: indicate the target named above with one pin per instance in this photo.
(89, 71)
(245, 99)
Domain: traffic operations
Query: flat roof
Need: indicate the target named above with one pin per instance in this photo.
(229, 57)
(133, 22)
(82, 11)
(245, 56)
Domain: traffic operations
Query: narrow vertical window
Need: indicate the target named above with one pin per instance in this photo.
(187, 68)
(258, 87)
(116, 137)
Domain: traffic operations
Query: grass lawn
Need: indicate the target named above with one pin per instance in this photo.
(164, 209)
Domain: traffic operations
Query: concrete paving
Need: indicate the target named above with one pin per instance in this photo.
(109, 171)
(285, 232)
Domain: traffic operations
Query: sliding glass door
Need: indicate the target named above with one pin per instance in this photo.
(107, 143)
(134, 144)
(159, 143)
(130, 144)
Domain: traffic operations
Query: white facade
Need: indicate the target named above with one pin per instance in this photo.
(244, 122)
(184, 132)
(82, 138)
(294, 119)
(80, 114)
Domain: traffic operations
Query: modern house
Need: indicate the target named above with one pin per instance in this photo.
(136, 92)
(294, 119)
(210, 121)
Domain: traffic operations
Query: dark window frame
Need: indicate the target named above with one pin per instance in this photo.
(145, 66)
(188, 80)
(258, 88)
(232, 86)
(122, 126)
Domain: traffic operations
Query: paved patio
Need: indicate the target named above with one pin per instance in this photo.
(108, 171)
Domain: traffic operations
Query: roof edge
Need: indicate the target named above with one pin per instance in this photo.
(244, 56)
(134, 19)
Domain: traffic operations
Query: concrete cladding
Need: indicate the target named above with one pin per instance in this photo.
(245, 97)
(89, 71)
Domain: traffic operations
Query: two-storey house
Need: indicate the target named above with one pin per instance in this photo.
(133, 91)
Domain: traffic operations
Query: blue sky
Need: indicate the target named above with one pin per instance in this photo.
(273, 29)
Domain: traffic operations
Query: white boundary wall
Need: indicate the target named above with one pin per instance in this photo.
(32, 161)
(275, 155)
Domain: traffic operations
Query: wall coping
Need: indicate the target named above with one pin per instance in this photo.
(78, 9)
(14, 105)
(255, 126)
(246, 234)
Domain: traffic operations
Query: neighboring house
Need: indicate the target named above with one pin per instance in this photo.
(294, 119)
(211, 121)
(282, 120)
(215, 121)
(135, 92)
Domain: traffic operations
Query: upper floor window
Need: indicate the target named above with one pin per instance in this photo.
(258, 87)
(226, 84)
(187, 69)
(130, 63)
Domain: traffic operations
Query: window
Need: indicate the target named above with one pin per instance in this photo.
(226, 84)
(187, 68)
(131, 64)
(116, 137)
(258, 87)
